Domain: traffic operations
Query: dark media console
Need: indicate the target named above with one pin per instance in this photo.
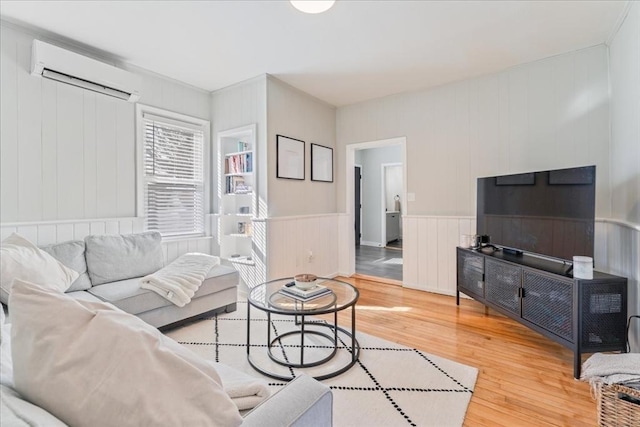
(586, 316)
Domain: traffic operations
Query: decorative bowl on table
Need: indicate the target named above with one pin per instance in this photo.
(305, 281)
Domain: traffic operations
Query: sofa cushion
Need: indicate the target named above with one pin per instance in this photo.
(71, 254)
(97, 365)
(21, 259)
(130, 297)
(118, 257)
(83, 296)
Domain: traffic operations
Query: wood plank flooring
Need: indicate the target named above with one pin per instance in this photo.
(524, 379)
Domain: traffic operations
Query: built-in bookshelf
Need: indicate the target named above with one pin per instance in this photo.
(237, 194)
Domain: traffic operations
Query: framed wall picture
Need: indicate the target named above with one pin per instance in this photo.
(321, 163)
(289, 158)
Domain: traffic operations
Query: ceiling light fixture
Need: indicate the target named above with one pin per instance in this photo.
(312, 6)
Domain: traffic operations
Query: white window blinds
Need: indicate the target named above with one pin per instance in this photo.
(173, 176)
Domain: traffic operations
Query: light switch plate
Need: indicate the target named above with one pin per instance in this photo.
(411, 197)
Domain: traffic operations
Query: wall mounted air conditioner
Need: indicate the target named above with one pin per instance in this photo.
(68, 67)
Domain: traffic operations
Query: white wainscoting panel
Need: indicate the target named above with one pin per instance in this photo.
(346, 245)
(290, 240)
(49, 232)
(618, 252)
(430, 251)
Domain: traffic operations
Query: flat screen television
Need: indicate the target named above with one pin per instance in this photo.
(550, 213)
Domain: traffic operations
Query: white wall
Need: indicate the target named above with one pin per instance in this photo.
(297, 218)
(372, 203)
(393, 188)
(239, 105)
(302, 226)
(548, 114)
(298, 115)
(68, 153)
(625, 119)
(623, 249)
(552, 113)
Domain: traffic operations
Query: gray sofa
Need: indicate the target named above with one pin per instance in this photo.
(110, 269)
(304, 402)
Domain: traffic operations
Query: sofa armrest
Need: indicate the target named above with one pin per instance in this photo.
(302, 402)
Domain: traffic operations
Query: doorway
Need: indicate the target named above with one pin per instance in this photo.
(377, 189)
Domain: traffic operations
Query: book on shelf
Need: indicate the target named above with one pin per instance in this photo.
(238, 163)
(248, 162)
(237, 185)
(248, 228)
(243, 146)
(305, 295)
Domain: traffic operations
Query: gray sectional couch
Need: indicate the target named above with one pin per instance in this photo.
(110, 269)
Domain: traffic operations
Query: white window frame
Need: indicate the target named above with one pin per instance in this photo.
(171, 116)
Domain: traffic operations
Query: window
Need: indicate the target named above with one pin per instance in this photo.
(171, 175)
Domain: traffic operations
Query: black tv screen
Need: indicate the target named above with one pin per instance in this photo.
(549, 213)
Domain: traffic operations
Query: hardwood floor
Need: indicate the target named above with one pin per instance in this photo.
(524, 379)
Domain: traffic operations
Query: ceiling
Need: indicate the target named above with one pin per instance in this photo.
(356, 51)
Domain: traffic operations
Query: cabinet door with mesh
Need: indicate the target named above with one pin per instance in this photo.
(471, 274)
(502, 285)
(603, 314)
(548, 302)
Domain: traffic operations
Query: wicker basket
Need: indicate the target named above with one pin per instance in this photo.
(618, 406)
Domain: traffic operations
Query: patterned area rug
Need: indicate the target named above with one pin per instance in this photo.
(390, 385)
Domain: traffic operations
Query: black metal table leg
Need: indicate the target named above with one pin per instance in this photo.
(248, 328)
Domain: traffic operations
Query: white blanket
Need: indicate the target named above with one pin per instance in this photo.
(245, 391)
(180, 280)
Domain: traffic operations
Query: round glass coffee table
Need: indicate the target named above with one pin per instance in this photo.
(270, 298)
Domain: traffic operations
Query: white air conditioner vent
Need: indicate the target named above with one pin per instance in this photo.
(59, 64)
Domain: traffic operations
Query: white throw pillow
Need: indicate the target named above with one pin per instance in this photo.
(91, 364)
(21, 259)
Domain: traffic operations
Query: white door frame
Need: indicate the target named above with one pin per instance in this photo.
(350, 249)
(383, 177)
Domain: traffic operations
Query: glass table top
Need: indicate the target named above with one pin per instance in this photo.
(267, 297)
